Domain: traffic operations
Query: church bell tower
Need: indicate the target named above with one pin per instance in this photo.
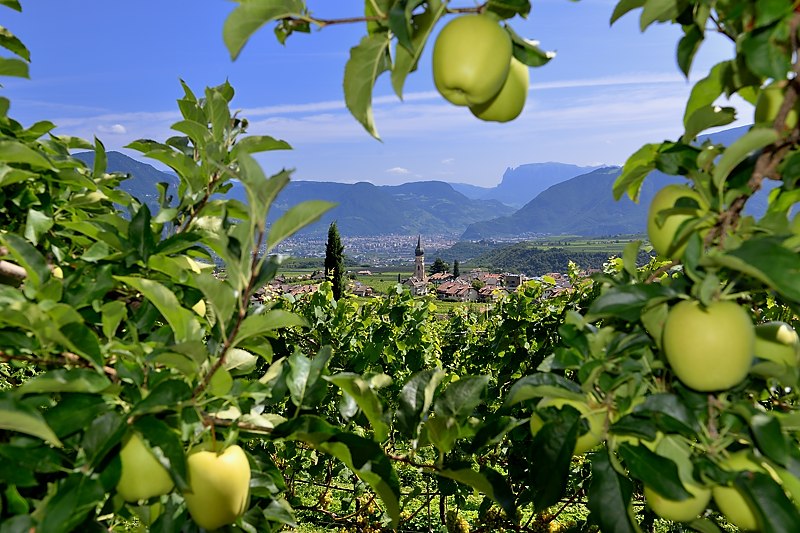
(419, 261)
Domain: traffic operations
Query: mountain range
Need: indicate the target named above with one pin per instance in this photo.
(520, 185)
(363, 209)
(564, 200)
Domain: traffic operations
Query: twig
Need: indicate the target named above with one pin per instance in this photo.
(60, 361)
(767, 163)
(15, 273)
(212, 421)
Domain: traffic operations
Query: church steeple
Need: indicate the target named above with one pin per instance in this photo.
(419, 261)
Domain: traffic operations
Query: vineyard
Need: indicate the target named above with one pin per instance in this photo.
(144, 388)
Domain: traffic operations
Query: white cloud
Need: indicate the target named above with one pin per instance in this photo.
(115, 129)
(398, 170)
(448, 161)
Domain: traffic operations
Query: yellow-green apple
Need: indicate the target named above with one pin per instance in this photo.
(471, 58)
(709, 348)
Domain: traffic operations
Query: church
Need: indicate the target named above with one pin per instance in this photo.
(418, 283)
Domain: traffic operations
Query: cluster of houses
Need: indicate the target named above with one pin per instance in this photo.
(473, 286)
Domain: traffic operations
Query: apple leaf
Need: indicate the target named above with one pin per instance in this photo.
(416, 398)
(488, 482)
(17, 416)
(368, 60)
(366, 398)
(610, 497)
(250, 15)
(406, 58)
(772, 508)
(623, 7)
(755, 139)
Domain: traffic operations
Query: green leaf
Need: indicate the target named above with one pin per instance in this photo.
(16, 416)
(304, 381)
(770, 438)
(258, 143)
(416, 398)
(636, 168)
(112, 314)
(256, 325)
(528, 52)
(13, 67)
(250, 15)
(755, 139)
(11, 43)
(774, 512)
(764, 53)
(183, 322)
(16, 152)
(13, 4)
(669, 412)
(140, 235)
(707, 117)
(28, 257)
(655, 471)
(261, 192)
(74, 498)
(167, 447)
(66, 380)
(627, 301)
(367, 61)
(36, 225)
(102, 435)
(400, 22)
(767, 260)
(610, 497)
(488, 482)
(509, 8)
(623, 7)
(363, 456)
(367, 400)
(100, 159)
(406, 58)
(687, 48)
(367, 460)
(196, 131)
(706, 91)
(659, 11)
(543, 384)
(552, 447)
(166, 395)
(217, 113)
(296, 218)
(460, 398)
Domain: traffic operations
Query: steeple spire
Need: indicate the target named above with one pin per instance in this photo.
(419, 251)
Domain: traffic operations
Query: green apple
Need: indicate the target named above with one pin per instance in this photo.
(662, 235)
(142, 477)
(778, 342)
(679, 510)
(596, 419)
(471, 59)
(508, 103)
(728, 499)
(219, 483)
(709, 348)
(769, 102)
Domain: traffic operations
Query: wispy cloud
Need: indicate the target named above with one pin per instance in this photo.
(398, 171)
(115, 129)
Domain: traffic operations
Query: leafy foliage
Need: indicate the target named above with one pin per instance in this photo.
(120, 318)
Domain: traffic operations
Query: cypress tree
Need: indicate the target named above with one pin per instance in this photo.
(456, 271)
(334, 261)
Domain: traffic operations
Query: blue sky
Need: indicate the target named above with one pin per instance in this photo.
(111, 69)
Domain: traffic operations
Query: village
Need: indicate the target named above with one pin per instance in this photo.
(473, 286)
